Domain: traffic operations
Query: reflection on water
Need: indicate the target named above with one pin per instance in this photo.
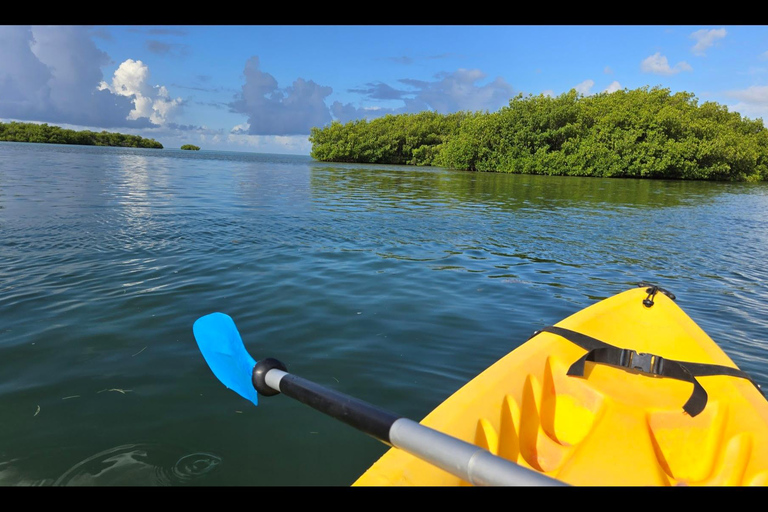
(375, 187)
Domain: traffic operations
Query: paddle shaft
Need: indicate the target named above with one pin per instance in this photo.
(465, 460)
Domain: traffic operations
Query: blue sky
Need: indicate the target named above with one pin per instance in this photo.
(261, 88)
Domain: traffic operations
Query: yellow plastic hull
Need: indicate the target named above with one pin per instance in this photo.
(612, 426)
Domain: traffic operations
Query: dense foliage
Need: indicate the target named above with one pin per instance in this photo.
(403, 139)
(31, 132)
(191, 147)
(641, 133)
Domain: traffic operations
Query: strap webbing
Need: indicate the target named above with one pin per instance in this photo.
(601, 352)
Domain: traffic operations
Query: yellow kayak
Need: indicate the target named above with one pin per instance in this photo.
(629, 391)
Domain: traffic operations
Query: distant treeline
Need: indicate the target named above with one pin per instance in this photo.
(31, 132)
(641, 133)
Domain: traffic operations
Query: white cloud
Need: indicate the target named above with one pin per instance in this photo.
(164, 108)
(613, 87)
(658, 64)
(292, 110)
(608, 70)
(52, 74)
(240, 128)
(755, 93)
(131, 79)
(753, 101)
(706, 38)
(143, 107)
(549, 93)
(585, 86)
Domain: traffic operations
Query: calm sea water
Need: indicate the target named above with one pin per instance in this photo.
(393, 284)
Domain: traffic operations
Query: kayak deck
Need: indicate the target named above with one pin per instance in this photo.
(612, 426)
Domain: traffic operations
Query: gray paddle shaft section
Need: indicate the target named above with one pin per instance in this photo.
(465, 460)
(459, 458)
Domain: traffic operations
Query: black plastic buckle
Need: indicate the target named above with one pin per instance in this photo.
(647, 363)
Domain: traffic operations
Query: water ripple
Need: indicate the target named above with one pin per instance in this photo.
(139, 465)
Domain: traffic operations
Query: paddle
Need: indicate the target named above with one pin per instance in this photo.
(223, 349)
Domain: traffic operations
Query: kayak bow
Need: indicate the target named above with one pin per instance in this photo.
(650, 400)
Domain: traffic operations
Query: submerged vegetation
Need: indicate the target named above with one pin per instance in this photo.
(31, 132)
(641, 133)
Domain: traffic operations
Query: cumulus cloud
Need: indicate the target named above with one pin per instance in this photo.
(613, 87)
(53, 74)
(705, 38)
(585, 86)
(23, 78)
(293, 110)
(132, 79)
(449, 92)
(164, 108)
(658, 64)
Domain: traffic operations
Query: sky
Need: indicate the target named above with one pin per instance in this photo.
(262, 88)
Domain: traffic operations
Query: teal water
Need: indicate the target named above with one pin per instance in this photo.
(393, 284)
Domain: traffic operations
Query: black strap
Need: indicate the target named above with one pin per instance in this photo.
(601, 352)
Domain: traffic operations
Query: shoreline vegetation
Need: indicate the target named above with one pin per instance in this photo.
(42, 133)
(640, 133)
(190, 147)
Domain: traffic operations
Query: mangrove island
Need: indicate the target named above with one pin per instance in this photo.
(190, 147)
(641, 133)
(31, 132)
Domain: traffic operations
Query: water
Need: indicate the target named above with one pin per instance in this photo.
(393, 284)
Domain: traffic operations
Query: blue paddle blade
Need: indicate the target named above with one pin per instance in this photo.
(223, 350)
